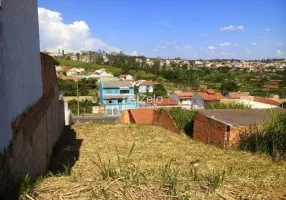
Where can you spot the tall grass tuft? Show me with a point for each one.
(267, 138)
(217, 105)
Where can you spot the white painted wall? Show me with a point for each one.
(20, 68)
(256, 105)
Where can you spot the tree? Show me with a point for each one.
(159, 91)
(229, 86)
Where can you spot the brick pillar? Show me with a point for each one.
(124, 117)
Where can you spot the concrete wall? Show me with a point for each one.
(35, 131)
(20, 69)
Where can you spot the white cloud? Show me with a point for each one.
(279, 52)
(280, 44)
(204, 34)
(227, 54)
(248, 51)
(268, 29)
(76, 36)
(226, 44)
(211, 48)
(171, 42)
(187, 46)
(177, 47)
(135, 53)
(253, 43)
(155, 50)
(161, 47)
(232, 28)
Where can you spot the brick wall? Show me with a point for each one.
(149, 116)
(35, 131)
(210, 131)
(164, 120)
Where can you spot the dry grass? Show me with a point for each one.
(148, 162)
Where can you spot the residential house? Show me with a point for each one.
(222, 127)
(238, 95)
(126, 77)
(201, 98)
(116, 96)
(146, 86)
(162, 102)
(100, 74)
(182, 98)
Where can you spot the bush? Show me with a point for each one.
(267, 138)
(217, 105)
(85, 106)
(183, 119)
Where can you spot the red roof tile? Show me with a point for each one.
(267, 101)
(147, 83)
(237, 95)
(271, 86)
(163, 102)
(184, 95)
(209, 96)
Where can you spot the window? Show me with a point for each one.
(108, 91)
(120, 100)
(110, 101)
(124, 91)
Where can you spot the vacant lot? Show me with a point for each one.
(147, 162)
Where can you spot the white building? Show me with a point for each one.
(146, 86)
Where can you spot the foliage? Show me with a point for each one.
(160, 91)
(229, 86)
(218, 105)
(85, 106)
(183, 118)
(69, 87)
(267, 138)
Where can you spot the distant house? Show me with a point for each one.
(271, 87)
(201, 98)
(267, 101)
(126, 77)
(100, 74)
(238, 95)
(182, 98)
(116, 96)
(163, 102)
(146, 86)
(222, 127)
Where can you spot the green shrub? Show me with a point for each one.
(267, 138)
(217, 105)
(183, 119)
(85, 106)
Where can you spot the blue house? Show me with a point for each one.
(116, 96)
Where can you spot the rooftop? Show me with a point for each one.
(211, 95)
(243, 117)
(116, 84)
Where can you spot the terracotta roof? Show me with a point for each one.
(209, 96)
(142, 115)
(267, 101)
(163, 102)
(271, 86)
(147, 83)
(237, 95)
(276, 81)
(210, 91)
(185, 95)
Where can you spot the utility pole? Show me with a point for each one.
(77, 98)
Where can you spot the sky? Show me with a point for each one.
(189, 29)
